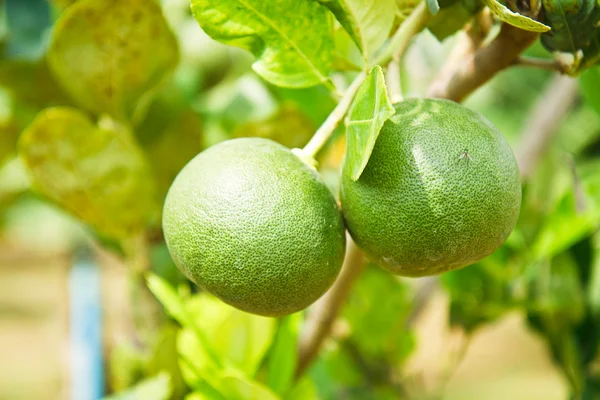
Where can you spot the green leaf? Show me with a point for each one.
(164, 358)
(515, 19)
(481, 293)
(109, 54)
(590, 87)
(283, 355)
(565, 226)
(240, 338)
(156, 388)
(238, 387)
(449, 20)
(97, 173)
(368, 26)
(369, 111)
(378, 329)
(433, 6)
(292, 40)
(574, 23)
(555, 291)
(303, 390)
(168, 297)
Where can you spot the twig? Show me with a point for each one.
(319, 321)
(542, 63)
(401, 39)
(325, 131)
(555, 101)
(460, 76)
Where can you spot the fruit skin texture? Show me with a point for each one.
(252, 224)
(440, 191)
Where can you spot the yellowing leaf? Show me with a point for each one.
(108, 54)
(368, 25)
(293, 39)
(369, 111)
(98, 174)
(515, 19)
(156, 388)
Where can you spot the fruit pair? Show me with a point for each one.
(252, 224)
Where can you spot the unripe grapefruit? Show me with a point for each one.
(440, 191)
(252, 224)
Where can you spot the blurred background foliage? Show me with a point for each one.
(100, 136)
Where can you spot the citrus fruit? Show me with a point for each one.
(252, 224)
(440, 191)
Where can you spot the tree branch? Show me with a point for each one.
(555, 101)
(472, 67)
(319, 321)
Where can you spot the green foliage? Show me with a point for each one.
(109, 55)
(590, 81)
(516, 19)
(98, 173)
(289, 55)
(369, 111)
(156, 388)
(574, 28)
(106, 101)
(368, 26)
(221, 349)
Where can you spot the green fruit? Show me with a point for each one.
(252, 224)
(441, 190)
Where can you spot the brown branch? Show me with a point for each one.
(554, 102)
(469, 68)
(319, 321)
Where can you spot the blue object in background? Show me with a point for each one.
(87, 374)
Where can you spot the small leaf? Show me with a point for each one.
(108, 54)
(369, 111)
(240, 338)
(368, 26)
(293, 40)
(433, 6)
(98, 174)
(283, 355)
(450, 20)
(238, 387)
(156, 388)
(303, 390)
(515, 19)
(168, 297)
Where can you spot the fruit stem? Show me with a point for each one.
(319, 322)
(398, 44)
(325, 131)
(393, 50)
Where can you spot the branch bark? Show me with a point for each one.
(469, 67)
(556, 100)
(319, 321)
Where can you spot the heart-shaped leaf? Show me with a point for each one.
(369, 111)
(292, 39)
(98, 174)
(108, 54)
(515, 19)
